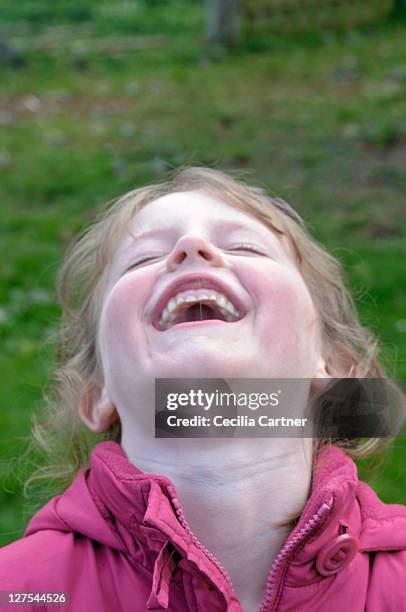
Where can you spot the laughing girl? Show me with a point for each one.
(203, 525)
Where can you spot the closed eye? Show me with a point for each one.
(144, 260)
(246, 247)
(238, 247)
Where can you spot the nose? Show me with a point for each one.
(196, 249)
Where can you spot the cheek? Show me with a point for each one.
(121, 319)
(284, 302)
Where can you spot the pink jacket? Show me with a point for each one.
(117, 540)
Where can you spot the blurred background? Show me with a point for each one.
(306, 97)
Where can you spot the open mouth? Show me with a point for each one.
(188, 308)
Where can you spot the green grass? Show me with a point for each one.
(318, 120)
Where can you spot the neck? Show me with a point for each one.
(235, 493)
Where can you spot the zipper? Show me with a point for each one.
(277, 567)
(275, 575)
(184, 523)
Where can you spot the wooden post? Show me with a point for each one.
(222, 21)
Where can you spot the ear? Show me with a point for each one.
(325, 372)
(96, 409)
(322, 377)
(323, 369)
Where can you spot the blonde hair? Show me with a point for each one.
(353, 349)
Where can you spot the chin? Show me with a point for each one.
(200, 368)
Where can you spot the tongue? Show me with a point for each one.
(199, 312)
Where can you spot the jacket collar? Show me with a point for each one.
(144, 509)
(129, 494)
(123, 491)
(148, 506)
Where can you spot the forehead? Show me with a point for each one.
(190, 209)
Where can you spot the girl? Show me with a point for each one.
(203, 524)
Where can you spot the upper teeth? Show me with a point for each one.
(197, 295)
